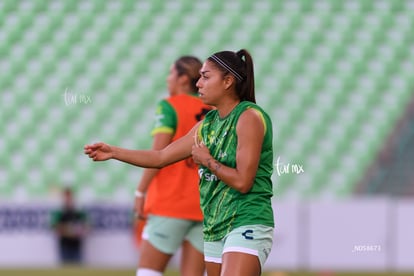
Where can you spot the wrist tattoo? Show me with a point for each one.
(218, 166)
(209, 161)
(213, 165)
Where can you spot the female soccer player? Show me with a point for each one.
(169, 197)
(233, 148)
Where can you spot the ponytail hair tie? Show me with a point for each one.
(240, 54)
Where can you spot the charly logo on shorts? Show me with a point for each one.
(246, 234)
(160, 235)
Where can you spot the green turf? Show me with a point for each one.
(71, 271)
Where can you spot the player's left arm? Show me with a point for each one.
(250, 132)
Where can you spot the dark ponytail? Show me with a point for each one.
(240, 65)
(247, 87)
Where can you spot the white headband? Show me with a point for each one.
(225, 66)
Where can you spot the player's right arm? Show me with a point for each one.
(174, 152)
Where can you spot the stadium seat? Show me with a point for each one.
(333, 75)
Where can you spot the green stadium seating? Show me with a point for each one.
(333, 75)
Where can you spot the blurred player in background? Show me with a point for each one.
(169, 198)
(70, 225)
(234, 150)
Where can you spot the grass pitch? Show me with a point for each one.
(77, 271)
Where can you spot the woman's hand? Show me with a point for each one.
(200, 153)
(139, 207)
(99, 151)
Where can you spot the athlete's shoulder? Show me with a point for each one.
(183, 97)
(258, 109)
(247, 105)
(255, 113)
(163, 104)
(185, 101)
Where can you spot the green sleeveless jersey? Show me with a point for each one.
(225, 208)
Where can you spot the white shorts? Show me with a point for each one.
(250, 239)
(167, 234)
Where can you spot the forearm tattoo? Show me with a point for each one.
(213, 165)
